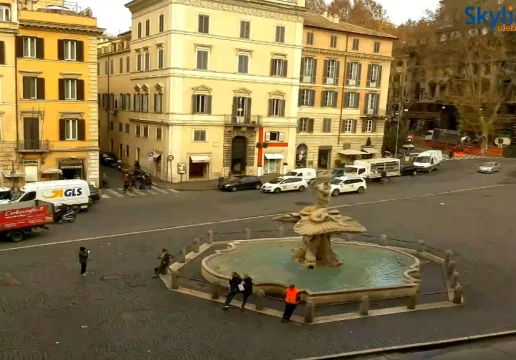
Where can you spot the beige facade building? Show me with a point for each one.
(343, 92)
(204, 89)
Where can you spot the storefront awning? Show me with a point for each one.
(9, 175)
(156, 156)
(70, 167)
(196, 159)
(351, 152)
(276, 156)
(50, 171)
(370, 150)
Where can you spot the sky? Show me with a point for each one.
(113, 16)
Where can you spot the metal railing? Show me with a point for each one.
(251, 120)
(33, 145)
(63, 7)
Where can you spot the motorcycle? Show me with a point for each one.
(65, 214)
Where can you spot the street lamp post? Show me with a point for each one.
(400, 114)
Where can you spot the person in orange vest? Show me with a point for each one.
(292, 298)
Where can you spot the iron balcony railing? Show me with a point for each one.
(251, 120)
(33, 146)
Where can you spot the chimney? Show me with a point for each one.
(335, 18)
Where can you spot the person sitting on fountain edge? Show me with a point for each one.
(235, 284)
(292, 298)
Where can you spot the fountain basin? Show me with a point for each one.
(372, 270)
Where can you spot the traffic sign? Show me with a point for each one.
(170, 158)
(151, 154)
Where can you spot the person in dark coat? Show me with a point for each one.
(164, 263)
(248, 290)
(83, 259)
(234, 288)
(148, 181)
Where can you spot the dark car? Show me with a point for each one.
(109, 159)
(408, 169)
(241, 183)
(94, 193)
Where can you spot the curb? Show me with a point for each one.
(418, 346)
(184, 189)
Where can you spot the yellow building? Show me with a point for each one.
(343, 92)
(56, 87)
(213, 88)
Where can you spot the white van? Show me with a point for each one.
(61, 192)
(308, 174)
(429, 135)
(428, 161)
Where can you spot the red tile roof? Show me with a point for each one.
(319, 21)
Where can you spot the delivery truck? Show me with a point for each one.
(20, 218)
(373, 168)
(428, 161)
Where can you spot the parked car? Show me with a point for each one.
(109, 159)
(241, 183)
(285, 183)
(408, 169)
(94, 193)
(489, 167)
(338, 172)
(346, 184)
(309, 174)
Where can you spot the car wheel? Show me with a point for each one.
(234, 189)
(258, 187)
(360, 190)
(301, 188)
(414, 173)
(335, 192)
(277, 190)
(16, 236)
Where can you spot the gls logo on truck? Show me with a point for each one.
(504, 20)
(52, 194)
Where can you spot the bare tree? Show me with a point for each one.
(365, 13)
(316, 6)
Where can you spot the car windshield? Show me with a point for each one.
(351, 170)
(423, 159)
(276, 181)
(292, 173)
(17, 196)
(335, 181)
(487, 164)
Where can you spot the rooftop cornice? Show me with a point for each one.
(68, 28)
(328, 52)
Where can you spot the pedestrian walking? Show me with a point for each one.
(292, 298)
(148, 181)
(248, 289)
(235, 286)
(83, 259)
(163, 264)
(127, 182)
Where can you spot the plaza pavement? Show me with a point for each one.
(119, 312)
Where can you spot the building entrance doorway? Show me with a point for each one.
(238, 155)
(324, 158)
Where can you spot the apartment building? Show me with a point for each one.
(344, 82)
(56, 89)
(212, 88)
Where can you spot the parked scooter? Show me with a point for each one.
(65, 213)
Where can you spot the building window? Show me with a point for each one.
(203, 24)
(199, 135)
(145, 131)
(333, 41)
(161, 23)
(306, 97)
(137, 102)
(127, 150)
(347, 126)
(331, 72)
(112, 67)
(120, 127)
(372, 102)
(305, 125)
(70, 50)
(375, 75)
(127, 127)
(139, 30)
(128, 64)
(121, 65)
(29, 47)
(161, 58)
(310, 38)
(147, 61)
(280, 34)
(279, 67)
(201, 104)
(145, 102)
(147, 27)
(243, 64)
(274, 136)
(376, 46)
(245, 29)
(353, 74)
(351, 100)
(368, 126)
(202, 59)
(33, 88)
(158, 102)
(70, 89)
(309, 68)
(111, 125)
(138, 131)
(5, 14)
(329, 98)
(356, 44)
(326, 126)
(276, 107)
(139, 60)
(106, 67)
(71, 129)
(158, 133)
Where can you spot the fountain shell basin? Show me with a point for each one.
(375, 271)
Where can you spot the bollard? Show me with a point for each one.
(210, 237)
(182, 256)
(196, 245)
(247, 233)
(447, 258)
(349, 237)
(364, 306)
(281, 232)
(260, 300)
(309, 312)
(215, 290)
(421, 247)
(454, 280)
(457, 295)
(451, 268)
(383, 240)
(174, 283)
(412, 301)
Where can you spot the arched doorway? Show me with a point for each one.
(238, 154)
(301, 155)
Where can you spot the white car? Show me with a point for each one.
(489, 167)
(285, 183)
(346, 184)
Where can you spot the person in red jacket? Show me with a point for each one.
(292, 298)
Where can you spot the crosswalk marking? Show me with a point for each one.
(159, 190)
(152, 192)
(128, 193)
(119, 192)
(111, 191)
(174, 191)
(138, 192)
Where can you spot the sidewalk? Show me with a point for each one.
(200, 185)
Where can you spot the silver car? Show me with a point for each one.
(489, 167)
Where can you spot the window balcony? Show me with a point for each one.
(33, 146)
(247, 121)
